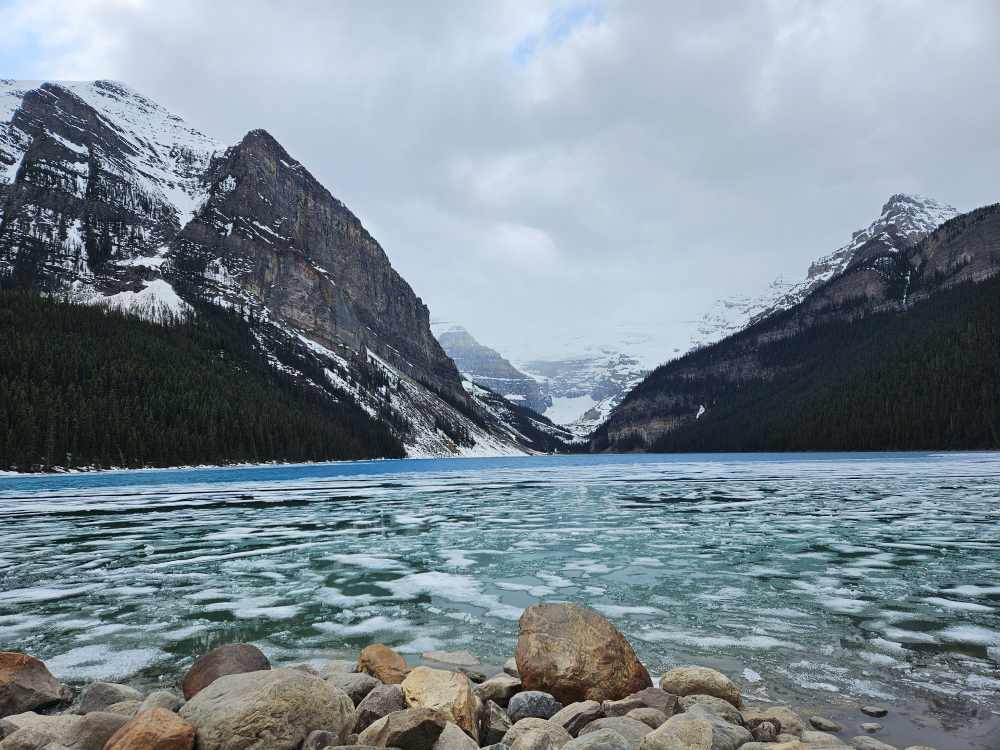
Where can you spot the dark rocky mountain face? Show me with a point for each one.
(882, 278)
(489, 368)
(108, 199)
(269, 235)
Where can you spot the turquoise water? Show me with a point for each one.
(848, 576)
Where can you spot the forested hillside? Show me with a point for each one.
(926, 378)
(86, 387)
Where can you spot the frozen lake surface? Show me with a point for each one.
(854, 577)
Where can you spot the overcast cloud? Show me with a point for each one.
(538, 170)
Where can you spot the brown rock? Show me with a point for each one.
(30, 731)
(535, 734)
(232, 658)
(411, 729)
(383, 663)
(155, 729)
(454, 737)
(381, 701)
(692, 734)
(267, 710)
(632, 730)
(576, 716)
(25, 684)
(447, 692)
(576, 655)
(651, 717)
(659, 699)
(717, 706)
(700, 681)
(623, 706)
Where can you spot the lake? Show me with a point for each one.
(819, 578)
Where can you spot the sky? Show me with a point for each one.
(546, 172)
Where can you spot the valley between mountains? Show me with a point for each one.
(166, 299)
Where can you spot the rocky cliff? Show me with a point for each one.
(106, 198)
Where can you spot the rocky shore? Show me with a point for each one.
(574, 683)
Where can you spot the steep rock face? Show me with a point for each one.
(270, 235)
(94, 179)
(486, 366)
(881, 277)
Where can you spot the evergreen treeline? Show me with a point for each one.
(927, 378)
(85, 387)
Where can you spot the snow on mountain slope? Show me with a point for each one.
(904, 221)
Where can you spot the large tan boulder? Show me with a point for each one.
(700, 681)
(383, 663)
(31, 731)
(267, 710)
(232, 658)
(155, 729)
(411, 729)
(576, 655)
(25, 684)
(533, 733)
(444, 691)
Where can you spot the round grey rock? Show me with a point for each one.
(381, 701)
(825, 725)
(876, 711)
(603, 739)
(97, 696)
(532, 704)
(631, 730)
(356, 684)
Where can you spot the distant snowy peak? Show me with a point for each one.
(904, 221)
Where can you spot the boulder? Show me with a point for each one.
(444, 691)
(356, 684)
(787, 720)
(162, 699)
(31, 730)
(630, 729)
(493, 724)
(576, 716)
(700, 681)
(604, 739)
(510, 667)
(499, 689)
(528, 731)
(824, 724)
(623, 706)
(717, 706)
(25, 684)
(876, 711)
(659, 699)
(98, 696)
(679, 734)
(868, 743)
(575, 654)
(266, 710)
(725, 736)
(383, 663)
(453, 737)
(155, 729)
(651, 717)
(381, 701)
(410, 729)
(532, 704)
(232, 658)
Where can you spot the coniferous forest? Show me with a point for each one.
(85, 387)
(924, 379)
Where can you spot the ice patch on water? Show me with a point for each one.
(44, 593)
(456, 558)
(958, 606)
(555, 581)
(615, 610)
(751, 676)
(376, 624)
(335, 598)
(971, 590)
(101, 662)
(970, 634)
(539, 592)
(369, 562)
(460, 589)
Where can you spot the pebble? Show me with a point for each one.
(876, 711)
(871, 727)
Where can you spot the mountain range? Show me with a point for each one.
(107, 199)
